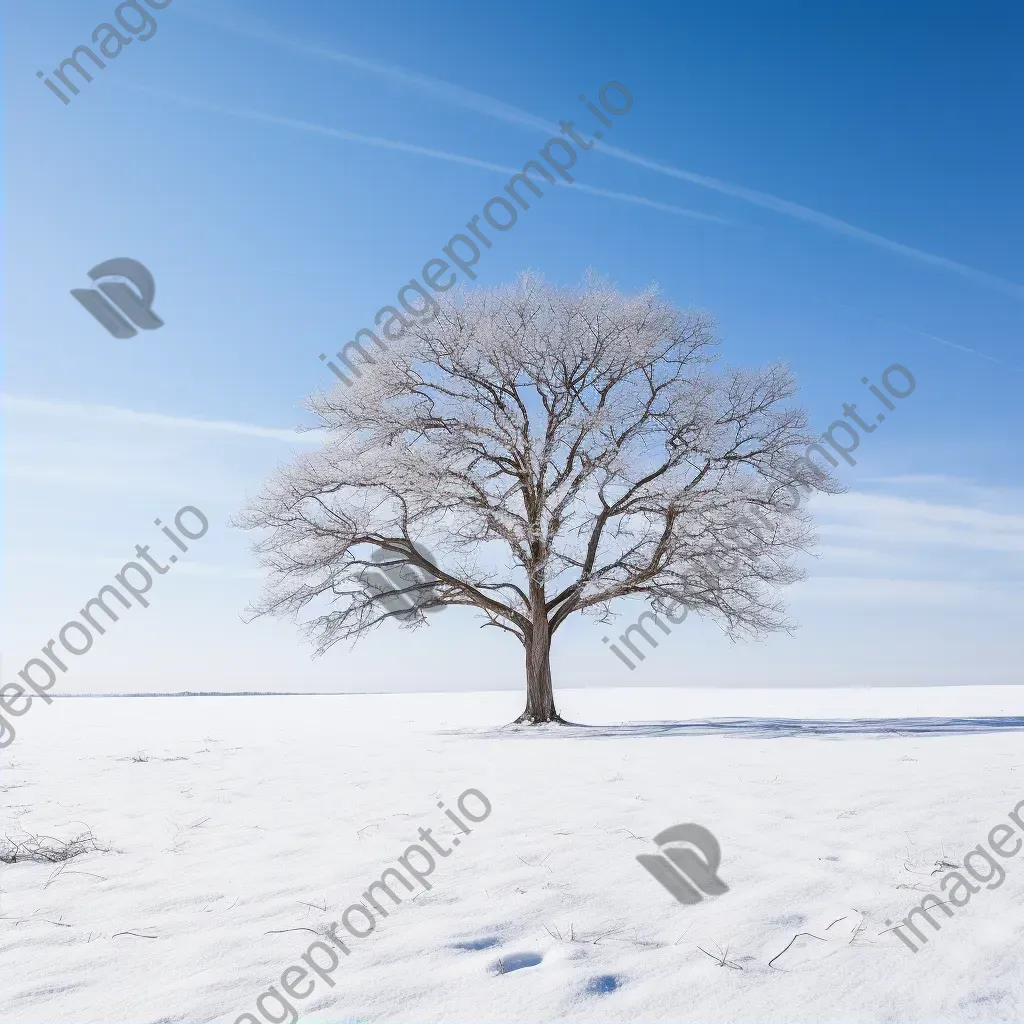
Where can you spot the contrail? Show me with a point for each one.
(380, 142)
(931, 337)
(963, 348)
(469, 99)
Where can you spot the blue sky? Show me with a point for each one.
(838, 184)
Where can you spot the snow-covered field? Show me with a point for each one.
(234, 831)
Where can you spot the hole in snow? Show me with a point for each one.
(477, 943)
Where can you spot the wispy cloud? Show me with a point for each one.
(379, 142)
(876, 591)
(112, 414)
(469, 99)
(880, 521)
(39, 560)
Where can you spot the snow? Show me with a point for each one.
(227, 823)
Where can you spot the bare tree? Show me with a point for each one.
(560, 448)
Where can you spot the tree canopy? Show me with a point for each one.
(559, 448)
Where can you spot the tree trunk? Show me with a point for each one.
(540, 698)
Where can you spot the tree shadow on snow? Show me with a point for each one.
(770, 728)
